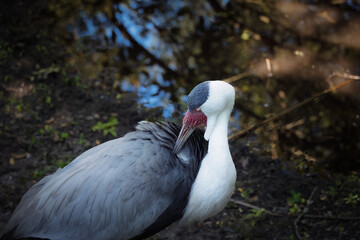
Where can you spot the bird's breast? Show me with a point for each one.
(211, 189)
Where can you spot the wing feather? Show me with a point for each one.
(128, 187)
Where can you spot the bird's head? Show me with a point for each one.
(205, 103)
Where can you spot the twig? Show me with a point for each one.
(236, 77)
(331, 217)
(306, 209)
(350, 78)
(248, 205)
(343, 75)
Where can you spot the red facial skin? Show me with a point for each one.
(192, 120)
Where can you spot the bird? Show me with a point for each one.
(134, 186)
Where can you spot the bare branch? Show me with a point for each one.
(306, 208)
(236, 77)
(331, 217)
(350, 78)
(312, 216)
(248, 205)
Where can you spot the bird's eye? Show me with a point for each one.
(197, 109)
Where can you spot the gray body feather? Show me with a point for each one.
(129, 187)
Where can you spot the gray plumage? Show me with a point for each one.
(129, 187)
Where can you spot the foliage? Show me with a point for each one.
(353, 198)
(37, 174)
(254, 215)
(294, 209)
(60, 163)
(245, 194)
(106, 128)
(293, 201)
(44, 73)
(81, 139)
(295, 197)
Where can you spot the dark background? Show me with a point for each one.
(76, 73)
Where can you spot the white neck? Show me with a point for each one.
(218, 142)
(215, 181)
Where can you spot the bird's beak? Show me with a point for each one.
(185, 133)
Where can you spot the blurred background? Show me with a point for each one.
(76, 73)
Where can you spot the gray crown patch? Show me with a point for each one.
(198, 95)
